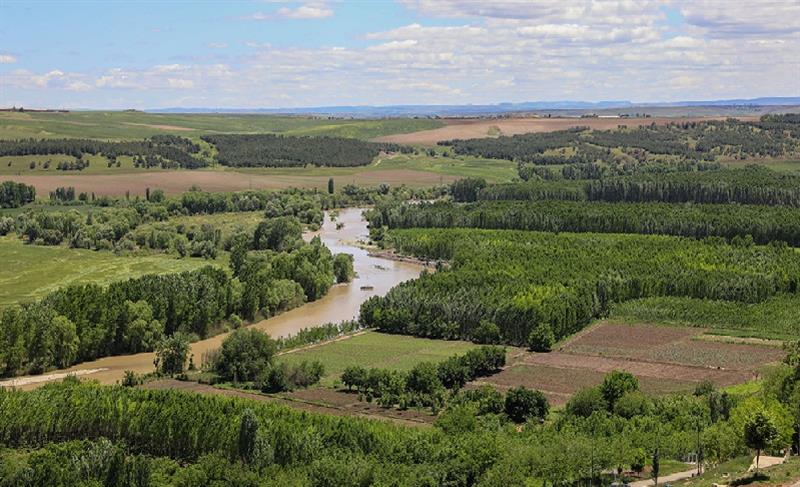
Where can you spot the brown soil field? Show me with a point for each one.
(664, 359)
(180, 181)
(161, 127)
(471, 128)
(325, 401)
(671, 345)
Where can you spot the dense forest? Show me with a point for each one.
(163, 150)
(267, 150)
(772, 136)
(515, 287)
(763, 223)
(752, 185)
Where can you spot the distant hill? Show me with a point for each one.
(740, 106)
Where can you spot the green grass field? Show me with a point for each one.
(372, 349)
(31, 271)
(137, 125)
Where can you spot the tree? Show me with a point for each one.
(280, 234)
(354, 376)
(240, 244)
(245, 354)
(172, 353)
(65, 341)
(542, 338)
(759, 432)
(616, 384)
(248, 435)
(467, 189)
(424, 379)
(523, 403)
(656, 466)
(343, 268)
(586, 401)
(330, 186)
(142, 332)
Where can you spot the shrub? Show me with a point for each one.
(523, 404)
(244, 354)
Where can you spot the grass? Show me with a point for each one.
(736, 469)
(98, 164)
(775, 318)
(31, 271)
(372, 349)
(137, 125)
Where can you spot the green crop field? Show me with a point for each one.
(774, 318)
(137, 125)
(31, 271)
(372, 349)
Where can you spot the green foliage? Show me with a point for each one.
(467, 189)
(267, 150)
(586, 402)
(282, 376)
(14, 195)
(172, 353)
(523, 404)
(542, 338)
(759, 431)
(343, 267)
(577, 277)
(763, 223)
(616, 385)
(279, 234)
(244, 354)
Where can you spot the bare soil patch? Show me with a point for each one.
(471, 128)
(180, 181)
(318, 400)
(161, 127)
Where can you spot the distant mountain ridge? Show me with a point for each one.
(489, 109)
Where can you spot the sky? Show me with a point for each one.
(110, 54)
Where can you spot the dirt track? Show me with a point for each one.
(477, 128)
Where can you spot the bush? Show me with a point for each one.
(587, 401)
(523, 404)
(632, 404)
(542, 338)
(244, 354)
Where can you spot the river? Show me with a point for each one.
(374, 276)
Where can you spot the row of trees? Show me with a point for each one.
(764, 224)
(200, 439)
(531, 285)
(426, 383)
(177, 150)
(688, 141)
(268, 150)
(14, 195)
(753, 185)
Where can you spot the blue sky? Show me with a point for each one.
(149, 54)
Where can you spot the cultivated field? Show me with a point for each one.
(31, 271)
(137, 125)
(664, 359)
(471, 128)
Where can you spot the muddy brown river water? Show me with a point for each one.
(375, 276)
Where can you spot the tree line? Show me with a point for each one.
(529, 288)
(752, 185)
(701, 141)
(268, 150)
(764, 224)
(168, 149)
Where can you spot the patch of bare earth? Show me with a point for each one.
(161, 127)
(318, 400)
(472, 128)
(665, 360)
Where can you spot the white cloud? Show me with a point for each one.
(311, 10)
(7, 59)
